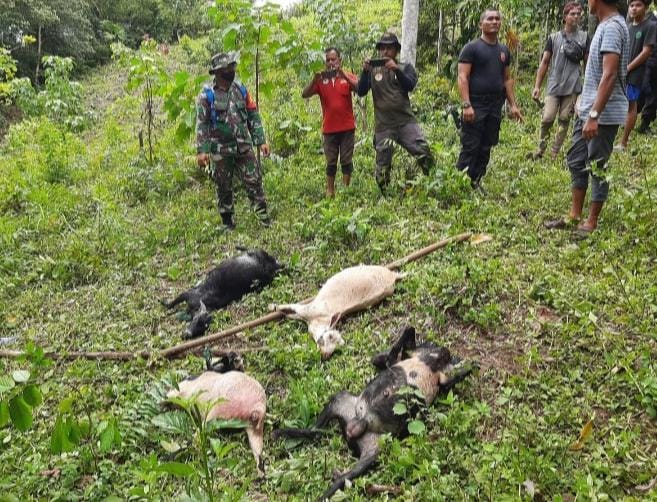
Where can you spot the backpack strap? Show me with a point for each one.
(243, 90)
(209, 95)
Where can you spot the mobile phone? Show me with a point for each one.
(378, 62)
(329, 73)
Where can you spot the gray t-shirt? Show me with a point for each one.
(565, 77)
(611, 36)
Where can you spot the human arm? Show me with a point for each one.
(406, 75)
(510, 95)
(463, 82)
(350, 78)
(203, 144)
(364, 83)
(640, 59)
(311, 88)
(610, 63)
(541, 72)
(254, 122)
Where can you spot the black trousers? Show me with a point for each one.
(648, 101)
(480, 136)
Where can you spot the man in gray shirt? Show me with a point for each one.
(564, 80)
(602, 109)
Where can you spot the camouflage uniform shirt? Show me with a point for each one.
(238, 126)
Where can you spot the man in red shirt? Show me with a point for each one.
(334, 87)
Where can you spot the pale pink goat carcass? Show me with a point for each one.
(242, 398)
(351, 290)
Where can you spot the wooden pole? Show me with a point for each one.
(116, 356)
(178, 350)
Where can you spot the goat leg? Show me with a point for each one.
(368, 445)
(404, 343)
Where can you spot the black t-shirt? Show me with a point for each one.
(641, 34)
(488, 63)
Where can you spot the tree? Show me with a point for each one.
(410, 16)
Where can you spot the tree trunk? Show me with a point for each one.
(409, 31)
(439, 54)
(38, 64)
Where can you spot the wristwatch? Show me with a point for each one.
(466, 104)
(593, 115)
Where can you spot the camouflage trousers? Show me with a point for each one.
(246, 166)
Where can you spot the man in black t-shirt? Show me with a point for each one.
(484, 82)
(643, 35)
(648, 99)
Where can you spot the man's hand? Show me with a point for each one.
(391, 64)
(264, 150)
(590, 129)
(536, 93)
(366, 65)
(202, 159)
(514, 113)
(468, 114)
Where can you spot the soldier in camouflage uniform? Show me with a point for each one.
(228, 125)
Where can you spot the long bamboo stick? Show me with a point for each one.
(178, 350)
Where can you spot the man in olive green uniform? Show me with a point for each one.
(394, 120)
(228, 125)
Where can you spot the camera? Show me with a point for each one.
(329, 74)
(374, 62)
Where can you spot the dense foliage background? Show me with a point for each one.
(103, 214)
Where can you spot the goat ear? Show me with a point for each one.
(203, 308)
(335, 319)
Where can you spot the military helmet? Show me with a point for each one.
(222, 60)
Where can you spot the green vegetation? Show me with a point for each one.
(94, 233)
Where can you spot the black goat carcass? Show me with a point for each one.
(228, 282)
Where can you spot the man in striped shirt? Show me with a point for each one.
(602, 109)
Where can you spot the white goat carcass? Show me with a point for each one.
(232, 395)
(351, 290)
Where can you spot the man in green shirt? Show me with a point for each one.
(394, 120)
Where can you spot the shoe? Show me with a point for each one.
(560, 224)
(580, 234)
(227, 220)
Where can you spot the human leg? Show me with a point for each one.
(249, 169)
(346, 156)
(599, 151)
(223, 179)
(411, 138)
(383, 144)
(577, 158)
(550, 109)
(331, 152)
(566, 110)
(630, 121)
(471, 136)
(490, 137)
(649, 110)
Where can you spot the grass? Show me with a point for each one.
(93, 237)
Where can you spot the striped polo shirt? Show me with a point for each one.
(612, 35)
